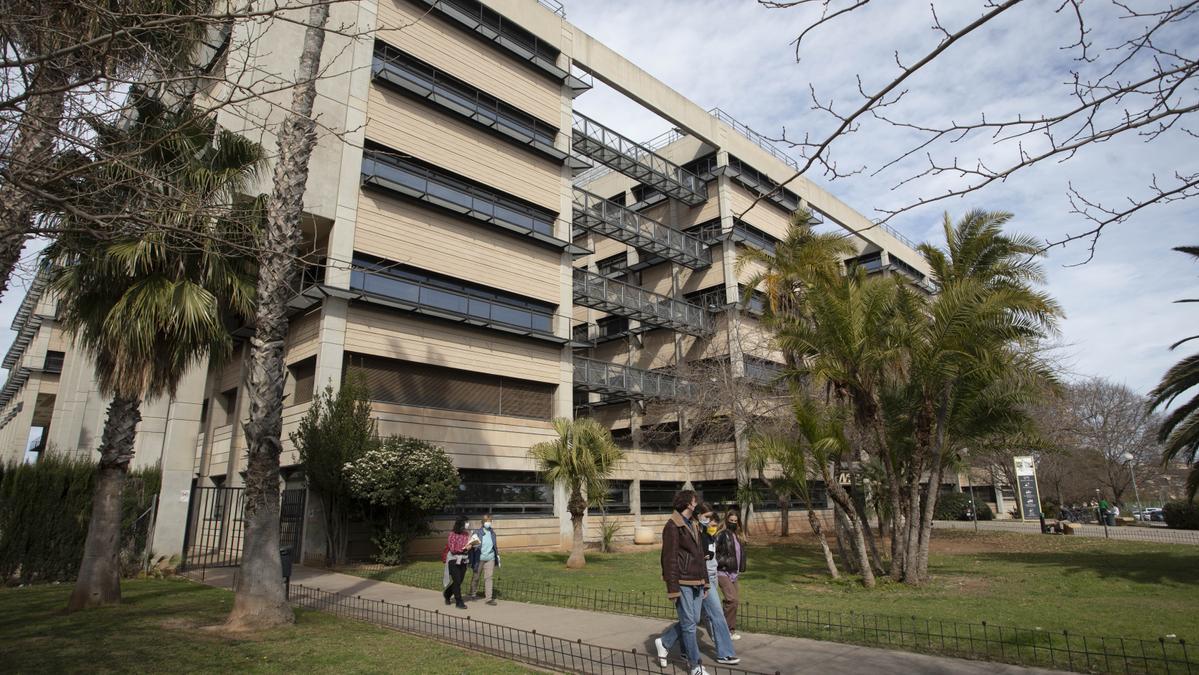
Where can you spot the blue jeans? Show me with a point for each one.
(718, 628)
(688, 606)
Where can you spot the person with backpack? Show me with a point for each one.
(484, 560)
(457, 558)
(730, 564)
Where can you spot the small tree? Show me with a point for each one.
(405, 480)
(336, 430)
(582, 458)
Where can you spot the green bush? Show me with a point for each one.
(954, 505)
(1181, 515)
(44, 512)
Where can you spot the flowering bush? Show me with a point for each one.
(404, 480)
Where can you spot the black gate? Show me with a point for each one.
(216, 526)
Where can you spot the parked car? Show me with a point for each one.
(1153, 514)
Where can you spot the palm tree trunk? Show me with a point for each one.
(785, 510)
(99, 580)
(857, 542)
(260, 602)
(818, 530)
(577, 507)
(29, 156)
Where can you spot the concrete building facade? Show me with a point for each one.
(489, 259)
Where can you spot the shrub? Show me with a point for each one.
(45, 508)
(404, 480)
(955, 506)
(1181, 515)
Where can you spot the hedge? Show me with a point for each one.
(44, 512)
(1181, 515)
(953, 505)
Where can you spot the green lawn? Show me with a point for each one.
(1087, 586)
(158, 628)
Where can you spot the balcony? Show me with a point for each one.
(599, 215)
(628, 301)
(637, 383)
(601, 144)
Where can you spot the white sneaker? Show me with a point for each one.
(736, 636)
(662, 653)
(700, 670)
(728, 661)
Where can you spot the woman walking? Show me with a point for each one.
(730, 563)
(457, 559)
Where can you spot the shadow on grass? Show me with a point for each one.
(1150, 567)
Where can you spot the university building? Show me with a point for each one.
(489, 258)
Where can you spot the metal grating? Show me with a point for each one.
(628, 301)
(623, 224)
(601, 144)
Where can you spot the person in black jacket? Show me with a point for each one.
(730, 564)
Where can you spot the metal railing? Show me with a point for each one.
(618, 222)
(612, 378)
(557, 654)
(757, 138)
(981, 641)
(604, 145)
(1143, 533)
(631, 302)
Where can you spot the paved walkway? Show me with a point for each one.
(1158, 534)
(765, 653)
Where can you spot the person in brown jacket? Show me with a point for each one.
(686, 577)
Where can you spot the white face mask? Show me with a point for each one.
(487, 525)
(467, 526)
(704, 521)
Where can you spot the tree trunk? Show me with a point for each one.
(29, 156)
(857, 542)
(577, 507)
(260, 602)
(818, 530)
(785, 510)
(842, 548)
(99, 580)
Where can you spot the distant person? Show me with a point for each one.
(484, 559)
(1115, 513)
(726, 655)
(686, 577)
(1104, 512)
(730, 565)
(457, 558)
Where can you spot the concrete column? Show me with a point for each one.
(635, 501)
(330, 352)
(177, 460)
(565, 530)
(242, 406)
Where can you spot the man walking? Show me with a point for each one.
(484, 558)
(686, 577)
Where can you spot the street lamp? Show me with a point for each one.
(1136, 493)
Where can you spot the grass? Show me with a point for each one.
(1086, 586)
(159, 627)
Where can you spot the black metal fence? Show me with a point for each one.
(982, 641)
(544, 651)
(216, 526)
(1141, 532)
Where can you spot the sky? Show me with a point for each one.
(738, 56)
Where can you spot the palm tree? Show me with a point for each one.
(581, 458)
(69, 45)
(150, 299)
(1180, 430)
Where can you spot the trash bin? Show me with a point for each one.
(285, 561)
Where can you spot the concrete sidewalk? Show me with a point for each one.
(765, 653)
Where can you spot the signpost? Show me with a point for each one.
(1026, 484)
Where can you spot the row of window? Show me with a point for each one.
(504, 27)
(434, 184)
(428, 386)
(489, 109)
(425, 289)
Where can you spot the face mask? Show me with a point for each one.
(712, 528)
(733, 527)
(704, 521)
(467, 526)
(487, 525)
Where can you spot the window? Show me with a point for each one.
(441, 188)
(657, 496)
(623, 437)
(642, 193)
(703, 166)
(619, 198)
(612, 264)
(427, 289)
(579, 333)
(752, 236)
(612, 327)
(303, 374)
(428, 386)
(229, 405)
(618, 497)
(460, 97)
(754, 179)
(720, 493)
(660, 437)
(501, 492)
(498, 23)
(870, 262)
(816, 490)
(713, 298)
(53, 362)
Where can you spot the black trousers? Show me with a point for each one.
(457, 574)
